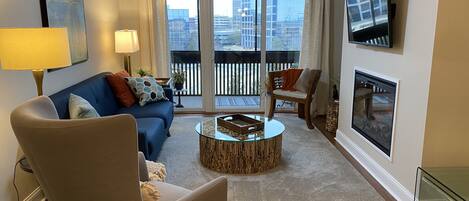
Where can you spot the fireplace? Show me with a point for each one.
(374, 103)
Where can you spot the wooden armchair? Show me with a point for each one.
(304, 99)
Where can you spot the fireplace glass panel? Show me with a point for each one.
(373, 109)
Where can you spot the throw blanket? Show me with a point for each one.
(156, 172)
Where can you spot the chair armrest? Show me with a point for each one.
(142, 168)
(168, 92)
(215, 190)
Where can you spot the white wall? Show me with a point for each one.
(102, 20)
(410, 61)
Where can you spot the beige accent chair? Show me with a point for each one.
(92, 159)
(303, 98)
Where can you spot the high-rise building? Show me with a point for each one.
(237, 11)
(178, 25)
(249, 12)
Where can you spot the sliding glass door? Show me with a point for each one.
(240, 41)
(236, 31)
(183, 41)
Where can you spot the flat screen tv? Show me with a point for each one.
(370, 22)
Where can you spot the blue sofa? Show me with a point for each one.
(153, 119)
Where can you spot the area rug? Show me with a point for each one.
(311, 168)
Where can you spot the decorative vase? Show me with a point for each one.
(178, 86)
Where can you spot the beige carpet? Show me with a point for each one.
(311, 168)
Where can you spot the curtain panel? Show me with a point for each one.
(315, 49)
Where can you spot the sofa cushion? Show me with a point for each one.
(121, 90)
(95, 90)
(160, 109)
(151, 135)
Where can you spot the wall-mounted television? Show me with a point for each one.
(370, 22)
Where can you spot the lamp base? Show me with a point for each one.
(38, 77)
(127, 64)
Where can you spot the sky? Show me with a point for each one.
(224, 7)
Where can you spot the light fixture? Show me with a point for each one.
(34, 49)
(126, 42)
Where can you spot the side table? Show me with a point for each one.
(451, 184)
(178, 93)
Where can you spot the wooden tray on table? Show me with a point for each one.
(240, 123)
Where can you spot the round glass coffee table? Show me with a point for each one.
(226, 151)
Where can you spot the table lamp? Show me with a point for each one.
(126, 43)
(34, 49)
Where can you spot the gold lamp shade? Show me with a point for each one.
(34, 48)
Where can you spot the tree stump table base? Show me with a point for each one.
(240, 157)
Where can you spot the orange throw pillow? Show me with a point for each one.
(290, 77)
(120, 88)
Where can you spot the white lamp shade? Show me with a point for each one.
(34, 48)
(126, 41)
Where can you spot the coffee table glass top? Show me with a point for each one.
(209, 128)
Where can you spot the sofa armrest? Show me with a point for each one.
(142, 167)
(169, 93)
(215, 190)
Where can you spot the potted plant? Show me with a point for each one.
(179, 77)
(143, 73)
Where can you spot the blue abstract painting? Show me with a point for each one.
(69, 14)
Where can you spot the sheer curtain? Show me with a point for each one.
(315, 48)
(160, 48)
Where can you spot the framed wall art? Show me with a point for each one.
(69, 14)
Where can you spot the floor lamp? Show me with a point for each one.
(126, 42)
(34, 49)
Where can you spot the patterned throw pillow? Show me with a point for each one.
(80, 108)
(146, 89)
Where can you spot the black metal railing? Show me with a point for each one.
(237, 73)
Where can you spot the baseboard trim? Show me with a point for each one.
(390, 184)
(36, 195)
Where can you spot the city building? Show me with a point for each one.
(178, 23)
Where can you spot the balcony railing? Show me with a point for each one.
(237, 73)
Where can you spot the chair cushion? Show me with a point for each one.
(170, 192)
(304, 80)
(121, 90)
(80, 108)
(293, 94)
(146, 89)
(290, 77)
(160, 109)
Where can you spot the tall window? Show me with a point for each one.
(284, 24)
(235, 25)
